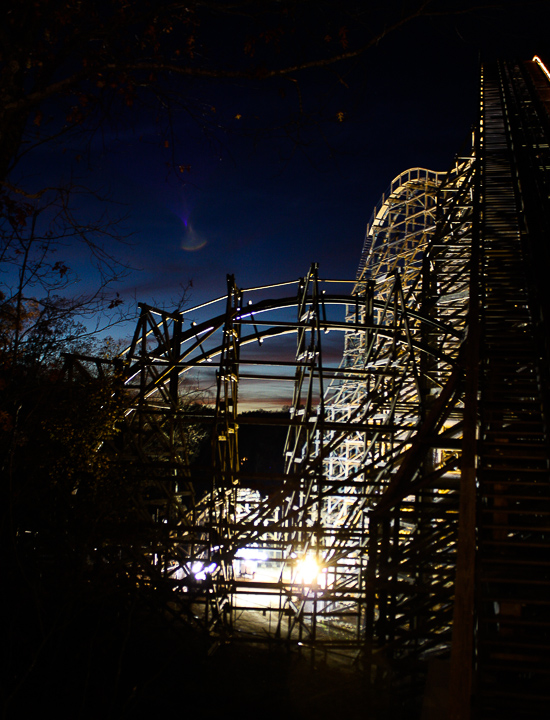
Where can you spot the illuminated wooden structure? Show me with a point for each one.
(490, 615)
(416, 478)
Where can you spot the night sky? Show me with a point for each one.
(265, 205)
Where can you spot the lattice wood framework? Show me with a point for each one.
(307, 512)
(468, 579)
(416, 471)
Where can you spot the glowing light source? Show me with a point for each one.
(308, 570)
(200, 570)
(251, 553)
(248, 559)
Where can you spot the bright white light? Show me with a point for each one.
(308, 571)
(200, 571)
(247, 560)
(251, 553)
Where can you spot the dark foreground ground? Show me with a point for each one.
(117, 663)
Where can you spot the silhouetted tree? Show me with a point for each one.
(73, 64)
(39, 308)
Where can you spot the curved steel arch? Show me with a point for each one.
(201, 333)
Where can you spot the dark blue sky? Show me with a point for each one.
(264, 210)
(264, 205)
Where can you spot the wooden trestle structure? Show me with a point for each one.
(416, 471)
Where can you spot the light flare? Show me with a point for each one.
(308, 571)
(192, 241)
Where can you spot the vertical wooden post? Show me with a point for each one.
(462, 649)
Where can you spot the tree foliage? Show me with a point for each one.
(41, 309)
